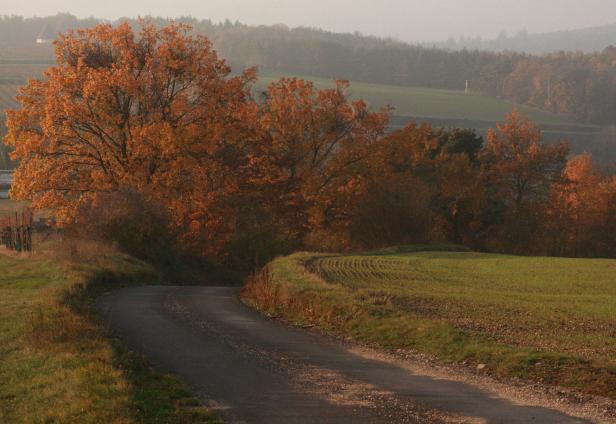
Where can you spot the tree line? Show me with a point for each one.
(586, 40)
(582, 86)
(147, 140)
(578, 85)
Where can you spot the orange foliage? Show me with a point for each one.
(584, 209)
(155, 112)
(158, 113)
(518, 172)
(519, 165)
(155, 120)
(315, 145)
(394, 203)
(460, 198)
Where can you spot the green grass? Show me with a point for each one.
(432, 103)
(57, 363)
(544, 319)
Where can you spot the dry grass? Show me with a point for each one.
(77, 251)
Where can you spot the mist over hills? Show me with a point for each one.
(17, 29)
(586, 40)
(572, 84)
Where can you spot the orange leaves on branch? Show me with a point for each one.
(584, 207)
(315, 144)
(156, 118)
(156, 112)
(518, 171)
(519, 165)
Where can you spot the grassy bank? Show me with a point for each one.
(544, 319)
(57, 363)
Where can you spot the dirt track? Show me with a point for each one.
(255, 370)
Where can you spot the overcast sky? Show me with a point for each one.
(408, 20)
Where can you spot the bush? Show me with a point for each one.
(257, 239)
(134, 223)
(392, 213)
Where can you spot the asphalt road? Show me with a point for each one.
(252, 369)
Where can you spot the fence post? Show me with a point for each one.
(18, 236)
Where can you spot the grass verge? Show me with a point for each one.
(547, 320)
(57, 362)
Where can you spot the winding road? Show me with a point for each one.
(251, 369)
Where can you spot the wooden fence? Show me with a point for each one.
(16, 231)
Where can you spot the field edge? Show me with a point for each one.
(289, 289)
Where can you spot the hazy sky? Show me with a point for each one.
(409, 20)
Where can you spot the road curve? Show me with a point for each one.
(254, 370)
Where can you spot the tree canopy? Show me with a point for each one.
(151, 131)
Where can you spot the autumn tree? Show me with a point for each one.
(393, 206)
(518, 171)
(459, 195)
(133, 131)
(422, 184)
(315, 146)
(609, 224)
(155, 112)
(583, 207)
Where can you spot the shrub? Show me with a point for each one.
(136, 224)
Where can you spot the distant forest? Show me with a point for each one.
(581, 86)
(586, 40)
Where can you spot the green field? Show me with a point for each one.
(432, 103)
(545, 319)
